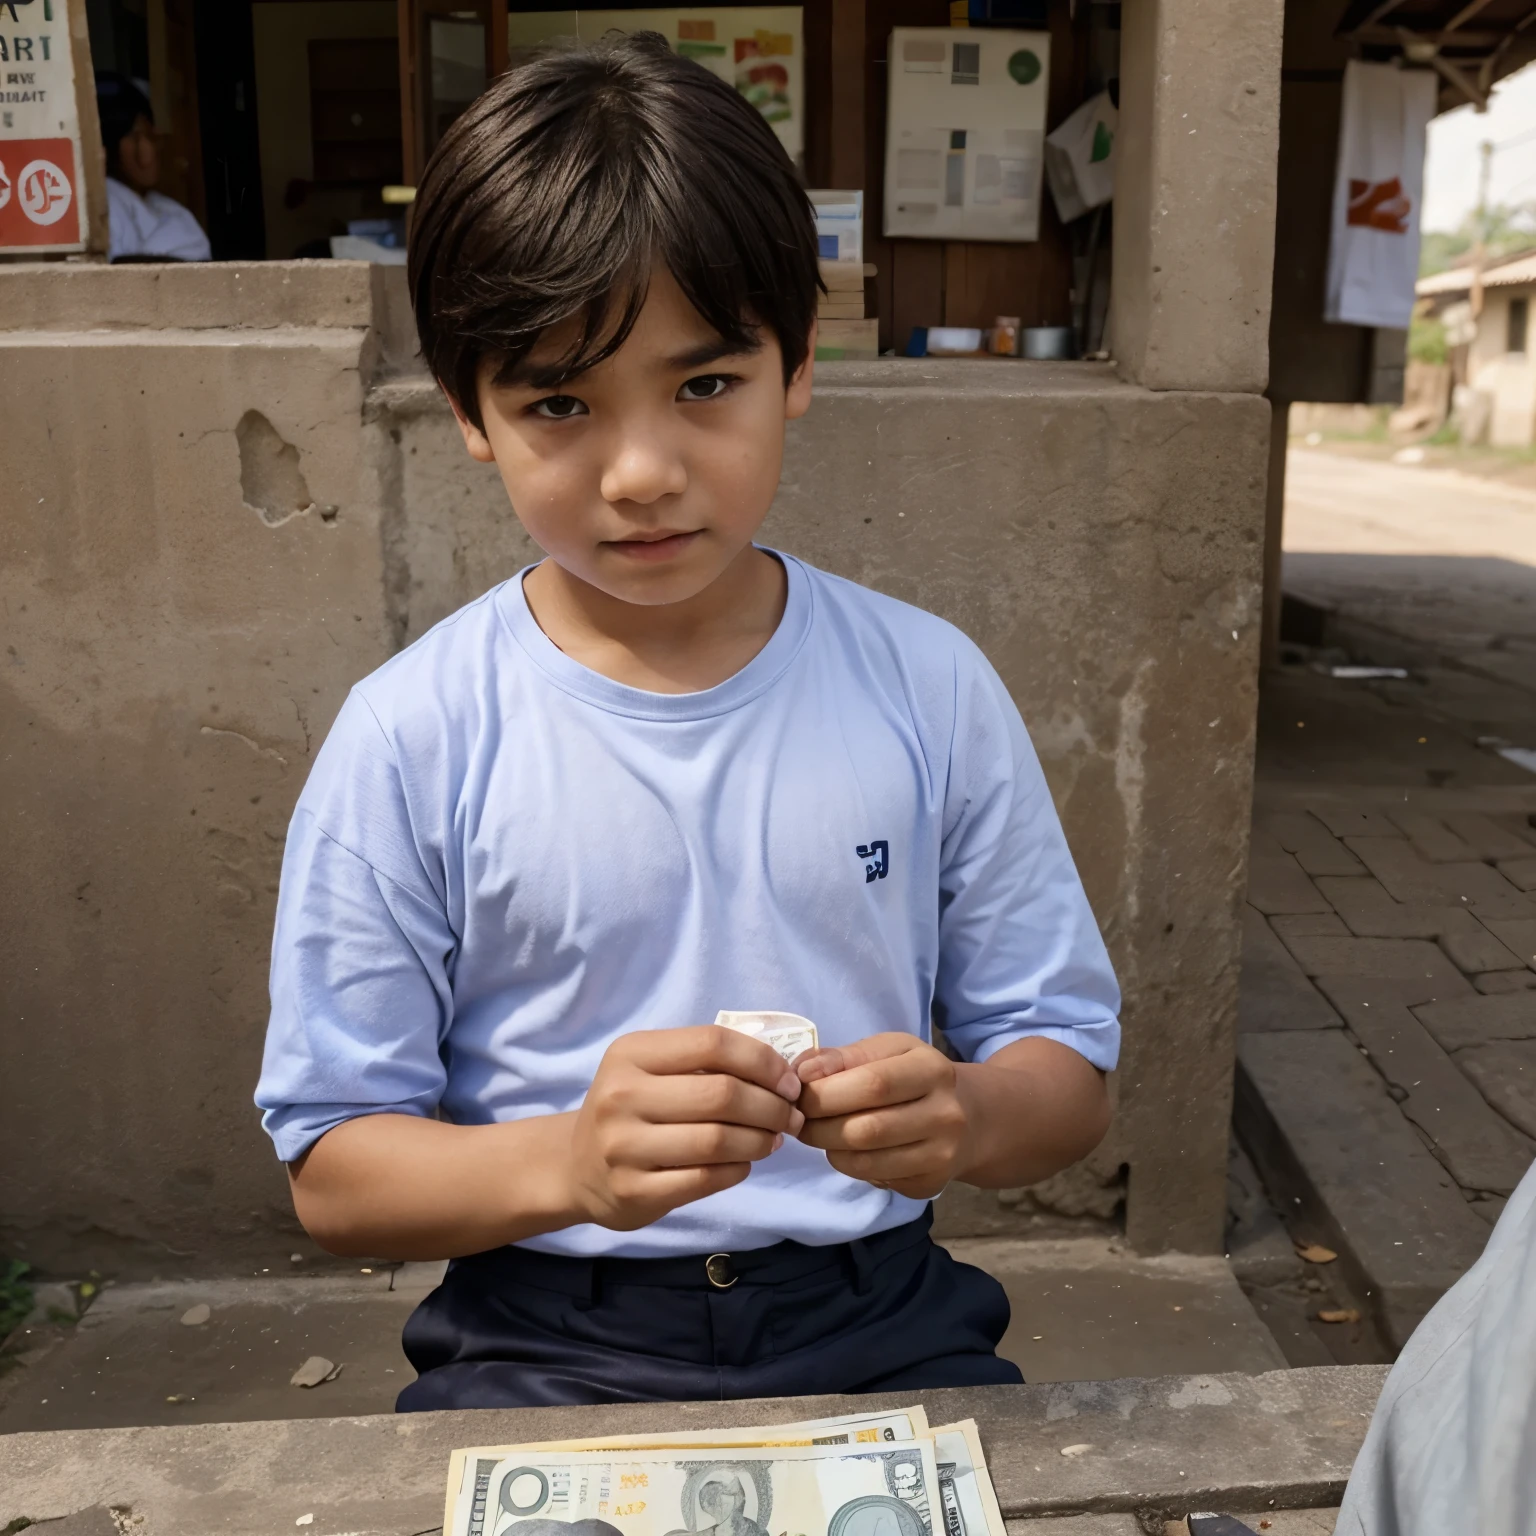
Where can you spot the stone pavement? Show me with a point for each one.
(1143, 1451)
(1387, 1055)
(1387, 1018)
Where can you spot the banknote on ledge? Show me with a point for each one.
(967, 1500)
(890, 1488)
(787, 1033)
(940, 1474)
(846, 1429)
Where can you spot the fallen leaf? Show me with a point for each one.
(193, 1317)
(1315, 1253)
(308, 1519)
(1075, 1450)
(1264, 1525)
(1339, 1315)
(313, 1372)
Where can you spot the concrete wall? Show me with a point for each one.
(1101, 543)
(191, 573)
(227, 497)
(1507, 378)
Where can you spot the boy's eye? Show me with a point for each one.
(706, 387)
(559, 407)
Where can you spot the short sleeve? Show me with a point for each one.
(1020, 953)
(362, 953)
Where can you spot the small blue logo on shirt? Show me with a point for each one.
(877, 860)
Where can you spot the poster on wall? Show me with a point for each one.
(758, 49)
(965, 133)
(42, 191)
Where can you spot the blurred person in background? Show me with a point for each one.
(144, 225)
(1452, 1444)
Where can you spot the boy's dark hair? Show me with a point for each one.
(552, 196)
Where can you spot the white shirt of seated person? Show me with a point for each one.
(141, 221)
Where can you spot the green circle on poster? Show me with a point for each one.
(1024, 66)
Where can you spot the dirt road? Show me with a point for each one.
(1442, 561)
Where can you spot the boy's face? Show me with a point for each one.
(647, 475)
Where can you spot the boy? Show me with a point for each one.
(662, 773)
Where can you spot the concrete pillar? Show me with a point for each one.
(1195, 192)
(1196, 162)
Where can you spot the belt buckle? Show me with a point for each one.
(720, 1272)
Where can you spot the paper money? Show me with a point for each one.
(967, 1500)
(896, 1424)
(885, 1489)
(787, 1033)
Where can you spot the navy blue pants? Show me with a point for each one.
(512, 1328)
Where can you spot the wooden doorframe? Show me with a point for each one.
(845, 106)
(408, 26)
(412, 18)
(496, 40)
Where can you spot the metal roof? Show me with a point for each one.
(1509, 272)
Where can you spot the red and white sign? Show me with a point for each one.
(42, 199)
(38, 201)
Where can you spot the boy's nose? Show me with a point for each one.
(643, 471)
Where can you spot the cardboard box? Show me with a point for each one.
(847, 339)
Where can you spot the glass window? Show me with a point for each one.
(457, 73)
(1519, 315)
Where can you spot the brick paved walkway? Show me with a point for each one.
(1387, 1053)
(1386, 1085)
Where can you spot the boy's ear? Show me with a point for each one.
(797, 398)
(475, 440)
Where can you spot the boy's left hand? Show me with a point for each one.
(889, 1110)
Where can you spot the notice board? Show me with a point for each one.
(758, 49)
(965, 133)
(43, 194)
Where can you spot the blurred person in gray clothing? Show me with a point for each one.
(1452, 1445)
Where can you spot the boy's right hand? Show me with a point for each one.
(674, 1115)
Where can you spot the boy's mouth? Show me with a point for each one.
(660, 545)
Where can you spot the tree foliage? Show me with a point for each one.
(1510, 228)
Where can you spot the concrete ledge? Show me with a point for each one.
(188, 296)
(1161, 1446)
(1320, 1125)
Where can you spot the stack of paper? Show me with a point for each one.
(839, 225)
(876, 1474)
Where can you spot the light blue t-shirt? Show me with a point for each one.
(503, 861)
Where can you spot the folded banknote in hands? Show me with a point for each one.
(787, 1033)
